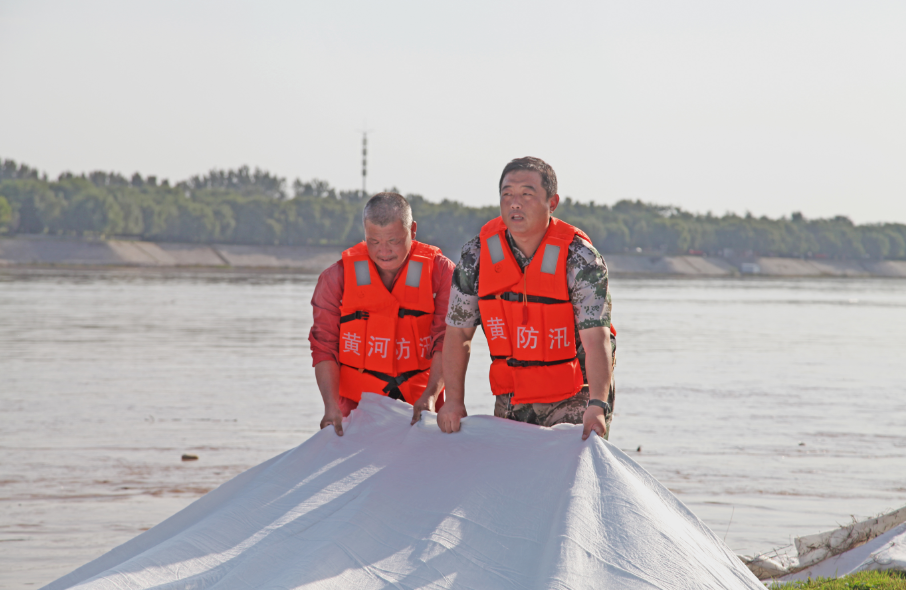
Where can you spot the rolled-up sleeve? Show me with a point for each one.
(324, 336)
(589, 291)
(440, 283)
(463, 309)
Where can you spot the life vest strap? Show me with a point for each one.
(511, 362)
(363, 315)
(393, 383)
(359, 315)
(514, 297)
(416, 313)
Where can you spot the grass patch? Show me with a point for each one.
(888, 580)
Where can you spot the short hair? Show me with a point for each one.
(385, 208)
(548, 176)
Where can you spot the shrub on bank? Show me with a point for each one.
(6, 215)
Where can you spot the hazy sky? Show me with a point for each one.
(765, 106)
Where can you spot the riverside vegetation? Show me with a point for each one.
(886, 580)
(255, 207)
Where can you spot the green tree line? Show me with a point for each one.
(255, 207)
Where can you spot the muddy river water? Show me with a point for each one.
(772, 408)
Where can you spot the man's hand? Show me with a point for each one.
(593, 420)
(432, 390)
(425, 402)
(449, 416)
(333, 416)
(327, 374)
(457, 349)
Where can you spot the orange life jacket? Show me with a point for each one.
(385, 336)
(527, 317)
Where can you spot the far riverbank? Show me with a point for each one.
(53, 251)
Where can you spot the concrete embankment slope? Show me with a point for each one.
(698, 266)
(58, 251)
(53, 251)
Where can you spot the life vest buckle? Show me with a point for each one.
(359, 315)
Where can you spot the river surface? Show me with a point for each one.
(772, 408)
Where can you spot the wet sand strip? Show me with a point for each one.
(84, 252)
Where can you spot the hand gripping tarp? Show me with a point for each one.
(499, 504)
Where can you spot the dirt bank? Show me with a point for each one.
(62, 251)
(57, 251)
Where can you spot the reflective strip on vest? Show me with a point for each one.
(549, 264)
(414, 273)
(495, 249)
(362, 274)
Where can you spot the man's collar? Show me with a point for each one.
(521, 258)
(399, 271)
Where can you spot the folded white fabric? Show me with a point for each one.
(885, 552)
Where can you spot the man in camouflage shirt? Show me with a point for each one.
(587, 284)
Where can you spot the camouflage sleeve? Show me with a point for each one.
(462, 311)
(586, 277)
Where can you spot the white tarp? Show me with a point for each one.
(885, 552)
(498, 505)
(877, 543)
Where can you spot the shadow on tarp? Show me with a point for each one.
(500, 504)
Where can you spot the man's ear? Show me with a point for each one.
(553, 202)
(414, 225)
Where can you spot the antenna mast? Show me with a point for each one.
(365, 131)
